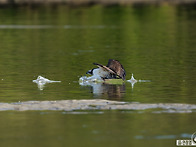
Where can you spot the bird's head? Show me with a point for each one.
(90, 72)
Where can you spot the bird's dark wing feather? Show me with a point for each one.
(115, 66)
(105, 68)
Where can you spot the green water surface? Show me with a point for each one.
(156, 43)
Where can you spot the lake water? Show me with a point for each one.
(155, 43)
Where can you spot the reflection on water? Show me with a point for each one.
(111, 91)
(108, 90)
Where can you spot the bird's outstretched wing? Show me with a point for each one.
(117, 68)
(114, 68)
(105, 68)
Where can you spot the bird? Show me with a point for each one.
(113, 70)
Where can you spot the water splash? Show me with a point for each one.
(41, 81)
(133, 80)
(84, 80)
(92, 80)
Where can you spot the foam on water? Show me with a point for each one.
(84, 80)
(41, 81)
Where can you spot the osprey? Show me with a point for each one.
(113, 70)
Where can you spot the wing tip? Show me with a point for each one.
(98, 64)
